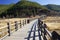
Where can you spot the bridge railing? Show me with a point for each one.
(44, 31)
(8, 29)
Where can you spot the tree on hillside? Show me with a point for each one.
(23, 8)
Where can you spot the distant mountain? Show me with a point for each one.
(53, 7)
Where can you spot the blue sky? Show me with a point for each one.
(43, 2)
(8, 1)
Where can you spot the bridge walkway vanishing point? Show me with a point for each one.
(28, 32)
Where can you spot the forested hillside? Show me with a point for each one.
(27, 9)
(4, 7)
(23, 9)
(53, 7)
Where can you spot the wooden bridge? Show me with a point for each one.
(35, 30)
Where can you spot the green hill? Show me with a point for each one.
(53, 7)
(4, 7)
(27, 9)
(23, 9)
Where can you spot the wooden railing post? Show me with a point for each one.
(44, 26)
(16, 26)
(28, 21)
(8, 29)
(20, 23)
(23, 22)
(40, 25)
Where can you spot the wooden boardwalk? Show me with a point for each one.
(24, 32)
(35, 30)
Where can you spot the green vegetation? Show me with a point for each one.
(53, 7)
(26, 9)
(4, 7)
(23, 9)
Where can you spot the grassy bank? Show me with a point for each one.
(53, 23)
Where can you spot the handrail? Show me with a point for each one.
(37, 22)
(44, 31)
(48, 32)
(3, 27)
(10, 30)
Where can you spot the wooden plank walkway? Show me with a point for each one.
(27, 32)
